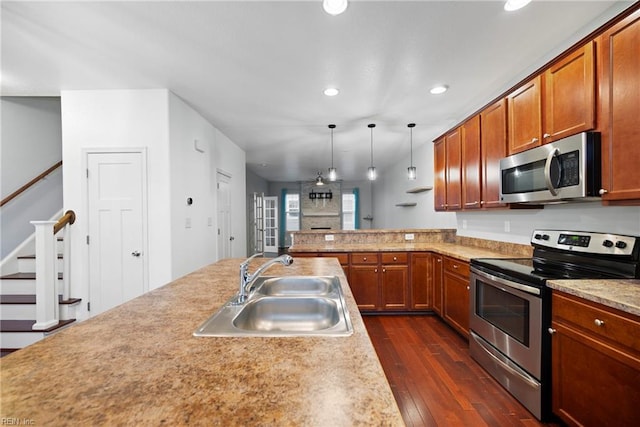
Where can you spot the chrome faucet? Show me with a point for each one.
(246, 279)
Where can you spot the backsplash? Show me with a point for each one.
(318, 237)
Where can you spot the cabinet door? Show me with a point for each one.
(456, 302)
(421, 281)
(493, 131)
(619, 82)
(395, 283)
(587, 371)
(439, 179)
(453, 176)
(525, 116)
(470, 144)
(364, 286)
(437, 277)
(569, 95)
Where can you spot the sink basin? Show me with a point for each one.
(297, 286)
(288, 314)
(284, 306)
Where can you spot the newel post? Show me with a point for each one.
(46, 276)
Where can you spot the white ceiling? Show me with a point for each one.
(256, 70)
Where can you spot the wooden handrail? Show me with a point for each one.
(69, 217)
(29, 184)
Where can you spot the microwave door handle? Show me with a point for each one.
(547, 171)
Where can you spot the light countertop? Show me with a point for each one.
(620, 294)
(139, 364)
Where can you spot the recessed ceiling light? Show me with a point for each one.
(437, 90)
(331, 91)
(334, 7)
(512, 5)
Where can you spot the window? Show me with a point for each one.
(348, 211)
(292, 212)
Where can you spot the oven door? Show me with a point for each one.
(508, 315)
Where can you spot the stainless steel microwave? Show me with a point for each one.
(564, 170)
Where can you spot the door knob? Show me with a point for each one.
(135, 253)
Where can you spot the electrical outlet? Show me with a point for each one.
(187, 223)
(210, 222)
(409, 236)
(507, 226)
(328, 237)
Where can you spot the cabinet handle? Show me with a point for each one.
(546, 135)
(439, 260)
(364, 259)
(534, 140)
(395, 259)
(384, 270)
(602, 192)
(468, 288)
(551, 331)
(455, 265)
(599, 322)
(375, 271)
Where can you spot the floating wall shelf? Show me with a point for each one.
(419, 190)
(406, 204)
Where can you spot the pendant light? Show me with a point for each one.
(333, 174)
(371, 172)
(411, 170)
(319, 179)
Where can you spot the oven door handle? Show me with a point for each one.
(513, 370)
(515, 285)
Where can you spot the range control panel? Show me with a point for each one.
(585, 241)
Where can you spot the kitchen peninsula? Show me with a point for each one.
(139, 364)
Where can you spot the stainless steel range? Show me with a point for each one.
(510, 308)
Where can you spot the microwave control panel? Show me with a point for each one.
(570, 169)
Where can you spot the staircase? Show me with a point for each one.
(18, 304)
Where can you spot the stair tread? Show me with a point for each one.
(24, 276)
(60, 256)
(31, 299)
(26, 325)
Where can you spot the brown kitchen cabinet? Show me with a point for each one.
(421, 281)
(455, 305)
(619, 105)
(365, 283)
(471, 176)
(595, 363)
(437, 272)
(554, 104)
(453, 175)
(343, 258)
(394, 281)
(440, 177)
(493, 139)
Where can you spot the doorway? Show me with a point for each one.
(225, 238)
(117, 206)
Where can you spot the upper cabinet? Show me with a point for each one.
(454, 176)
(554, 104)
(619, 106)
(493, 137)
(471, 176)
(439, 175)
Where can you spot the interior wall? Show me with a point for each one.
(110, 119)
(30, 143)
(192, 225)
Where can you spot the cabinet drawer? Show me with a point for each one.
(364, 258)
(343, 258)
(394, 258)
(604, 322)
(457, 267)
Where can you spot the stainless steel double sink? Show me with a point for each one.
(284, 306)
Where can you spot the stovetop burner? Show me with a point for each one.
(569, 255)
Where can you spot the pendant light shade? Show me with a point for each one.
(371, 172)
(335, 7)
(333, 173)
(412, 173)
(319, 179)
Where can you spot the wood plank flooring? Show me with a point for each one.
(433, 378)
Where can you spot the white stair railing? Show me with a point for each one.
(47, 312)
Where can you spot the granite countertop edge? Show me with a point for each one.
(620, 294)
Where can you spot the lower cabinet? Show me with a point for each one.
(455, 307)
(595, 363)
(437, 272)
(421, 281)
(394, 281)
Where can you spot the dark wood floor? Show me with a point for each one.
(433, 378)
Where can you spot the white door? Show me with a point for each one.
(117, 228)
(225, 239)
(270, 224)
